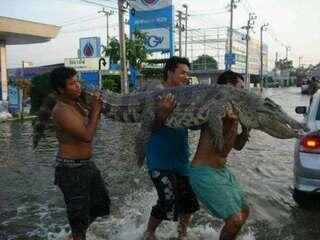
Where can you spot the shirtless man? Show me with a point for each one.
(78, 178)
(213, 183)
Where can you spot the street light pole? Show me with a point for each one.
(107, 14)
(232, 6)
(249, 26)
(262, 28)
(186, 30)
(123, 59)
(179, 26)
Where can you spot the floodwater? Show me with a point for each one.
(32, 208)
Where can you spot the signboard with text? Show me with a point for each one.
(155, 18)
(85, 64)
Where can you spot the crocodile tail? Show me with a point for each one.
(42, 119)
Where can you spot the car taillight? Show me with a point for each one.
(310, 143)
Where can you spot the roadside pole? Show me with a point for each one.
(123, 59)
(249, 26)
(262, 28)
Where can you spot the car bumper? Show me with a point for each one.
(307, 184)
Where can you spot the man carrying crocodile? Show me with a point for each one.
(168, 159)
(212, 182)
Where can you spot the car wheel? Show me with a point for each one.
(306, 200)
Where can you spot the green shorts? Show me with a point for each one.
(218, 190)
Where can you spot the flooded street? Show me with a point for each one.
(32, 208)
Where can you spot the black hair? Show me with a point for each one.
(59, 76)
(229, 77)
(172, 64)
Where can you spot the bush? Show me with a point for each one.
(112, 83)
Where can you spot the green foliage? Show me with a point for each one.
(136, 52)
(204, 62)
(112, 50)
(152, 73)
(284, 64)
(112, 83)
(40, 89)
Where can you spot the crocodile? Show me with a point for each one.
(198, 105)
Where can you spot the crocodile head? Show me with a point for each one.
(270, 118)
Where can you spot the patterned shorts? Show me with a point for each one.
(175, 195)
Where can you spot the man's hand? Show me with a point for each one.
(96, 103)
(166, 106)
(229, 114)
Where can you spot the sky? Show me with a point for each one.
(292, 23)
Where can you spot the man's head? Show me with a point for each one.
(176, 71)
(231, 78)
(65, 82)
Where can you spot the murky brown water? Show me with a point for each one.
(32, 208)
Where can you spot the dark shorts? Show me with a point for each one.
(175, 195)
(85, 193)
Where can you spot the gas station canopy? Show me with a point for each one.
(15, 31)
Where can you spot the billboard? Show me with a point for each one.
(239, 49)
(156, 19)
(90, 47)
(14, 99)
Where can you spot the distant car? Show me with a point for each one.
(307, 157)
(304, 86)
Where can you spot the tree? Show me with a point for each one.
(136, 52)
(112, 50)
(40, 89)
(284, 64)
(204, 62)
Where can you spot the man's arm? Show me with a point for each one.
(241, 139)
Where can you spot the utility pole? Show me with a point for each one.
(123, 59)
(107, 14)
(180, 29)
(288, 48)
(232, 6)
(186, 30)
(249, 26)
(262, 28)
(300, 58)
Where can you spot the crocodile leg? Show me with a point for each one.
(142, 138)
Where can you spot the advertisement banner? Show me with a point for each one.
(14, 99)
(90, 47)
(156, 18)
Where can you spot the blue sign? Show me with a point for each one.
(230, 59)
(90, 47)
(158, 24)
(91, 78)
(14, 99)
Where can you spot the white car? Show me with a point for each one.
(307, 157)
